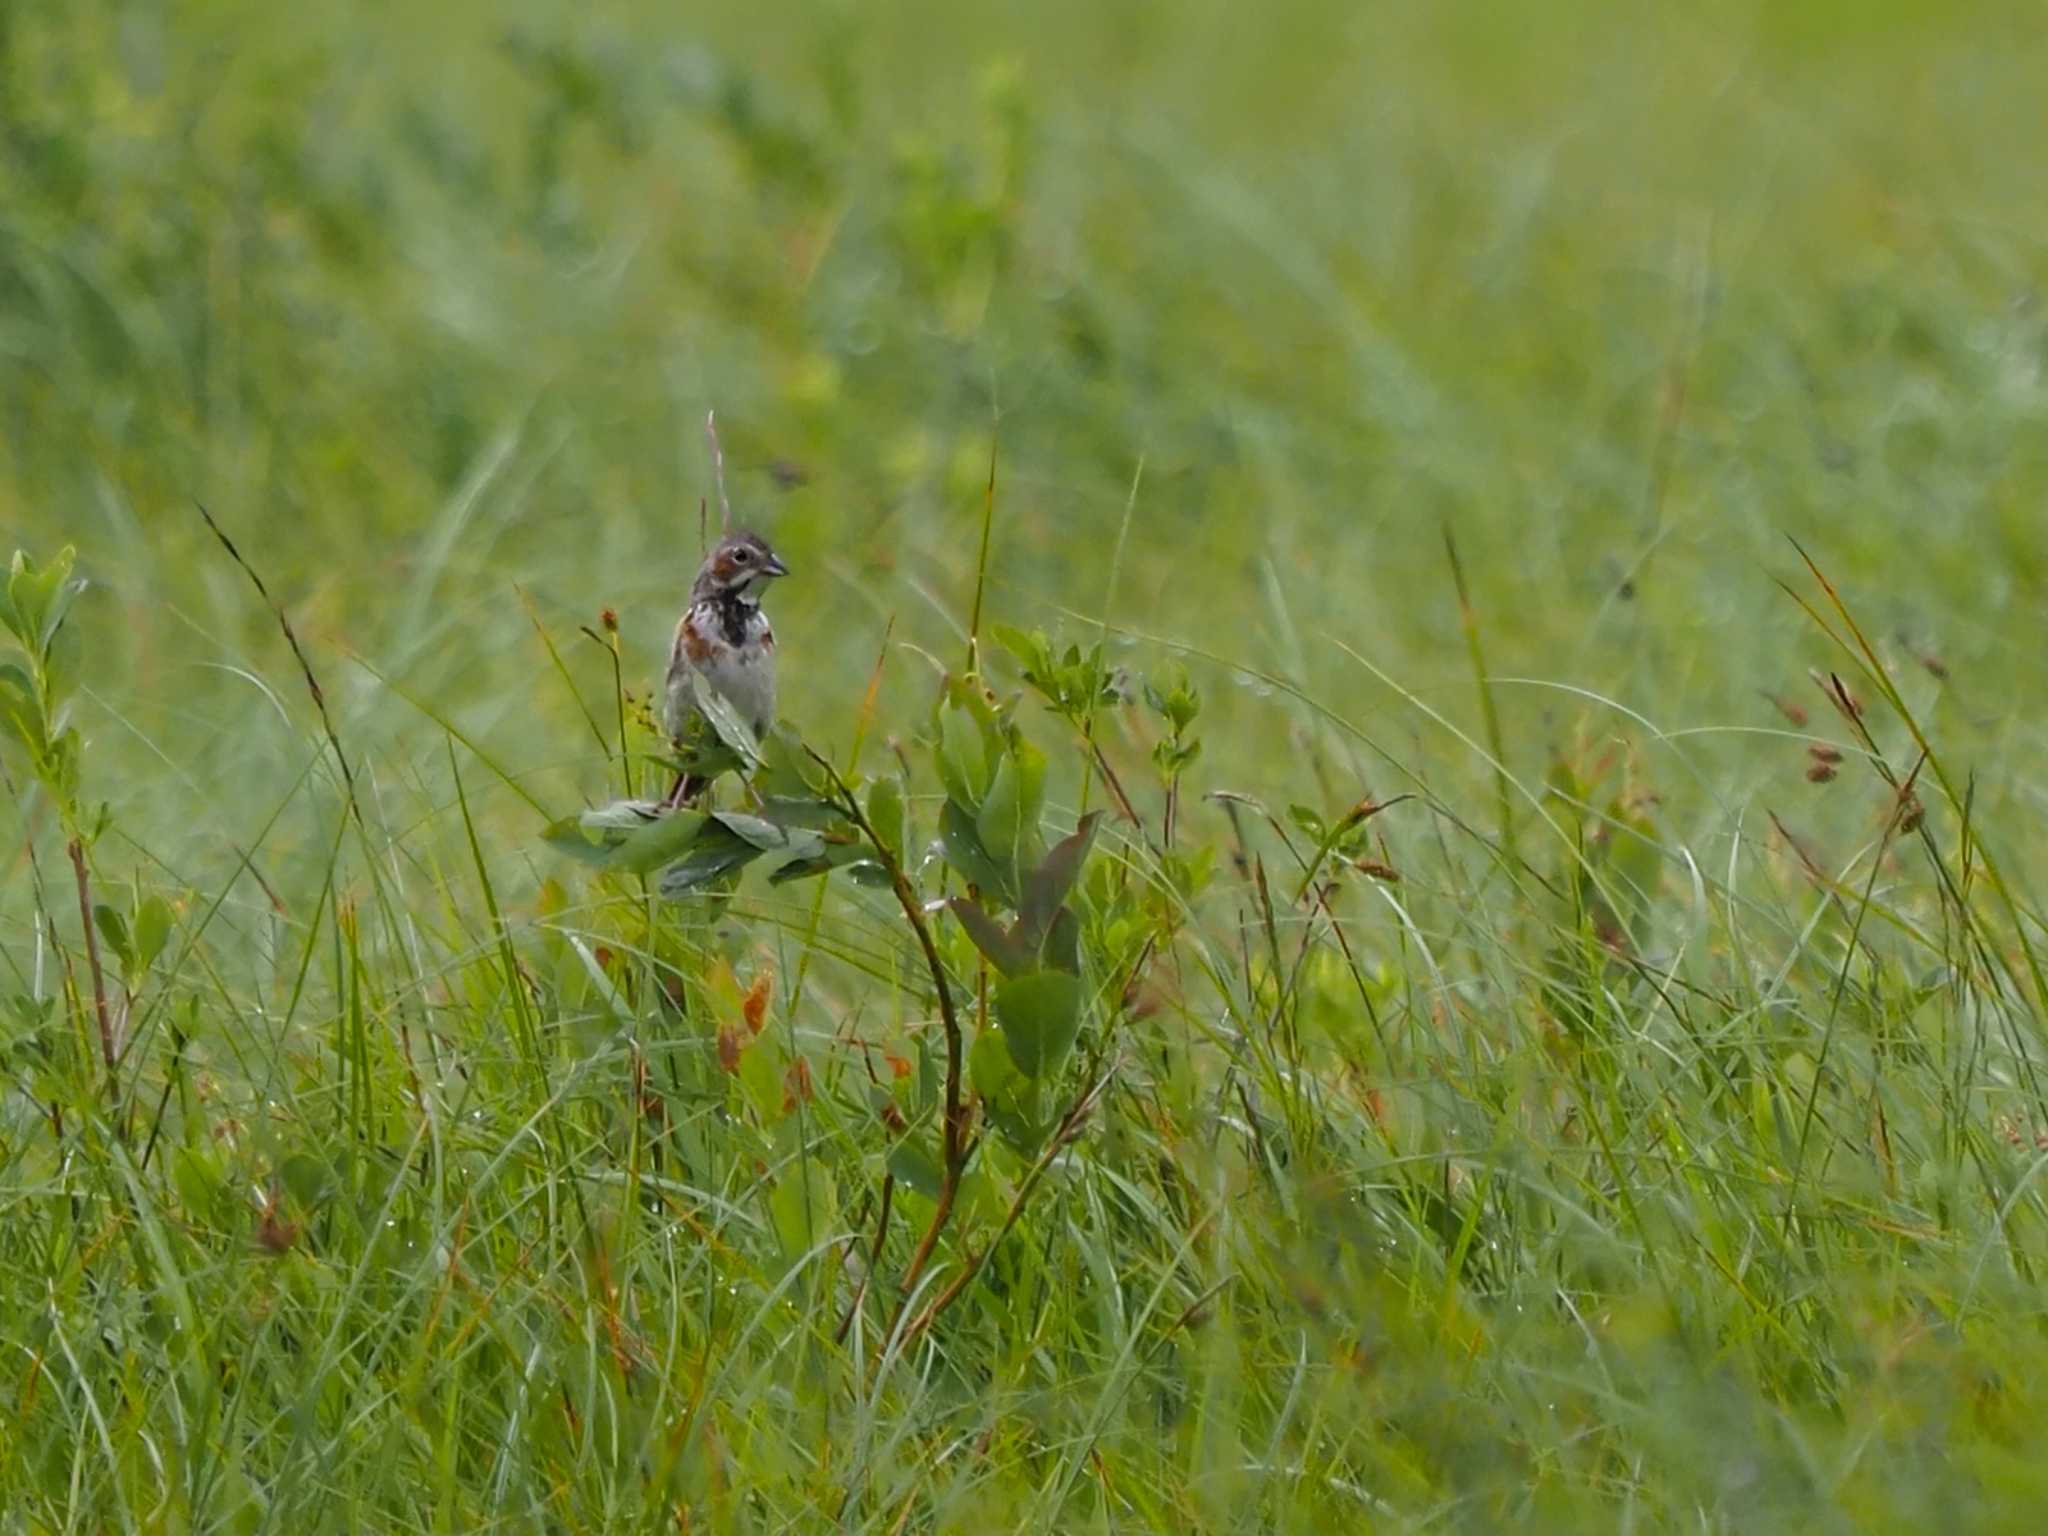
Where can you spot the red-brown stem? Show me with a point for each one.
(1069, 1127)
(874, 1258)
(92, 955)
(953, 1140)
(953, 1137)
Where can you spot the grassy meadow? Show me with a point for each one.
(1413, 699)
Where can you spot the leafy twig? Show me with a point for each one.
(1062, 1136)
(954, 1143)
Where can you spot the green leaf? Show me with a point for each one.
(568, 836)
(1310, 822)
(760, 1076)
(32, 594)
(626, 815)
(1032, 650)
(963, 765)
(1000, 822)
(801, 1208)
(1031, 767)
(657, 843)
(887, 816)
(1047, 887)
(761, 833)
(1005, 951)
(849, 856)
(60, 667)
(626, 837)
(113, 929)
(989, 1067)
(25, 599)
(153, 922)
(1040, 1012)
(1014, 1102)
(802, 811)
(20, 715)
(714, 857)
(1061, 950)
(60, 605)
(962, 849)
(913, 1164)
(736, 735)
(787, 770)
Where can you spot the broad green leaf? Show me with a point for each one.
(1000, 821)
(804, 811)
(1040, 1012)
(20, 715)
(1032, 650)
(913, 1164)
(1310, 822)
(962, 848)
(1061, 950)
(1005, 951)
(801, 1208)
(1031, 768)
(787, 770)
(989, 1067)
(153, 920)
(886, 814)
(626, 815)
(113, 929)
(849, 856)
(1014, 1103)
(568, 836)
(25, 599)
(60, 605)
(710, 860)
(620, 838)
(657, 844)
(760, 1074)
(765, 835)
(1046, 888)
(737, 736)
(963, 765)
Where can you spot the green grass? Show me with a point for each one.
(1437, 390)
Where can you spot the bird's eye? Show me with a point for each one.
(742, 555)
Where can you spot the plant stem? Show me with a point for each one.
(92, 955)
(953, 1137)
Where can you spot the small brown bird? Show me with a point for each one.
(725, 638)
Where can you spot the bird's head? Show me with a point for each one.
(740, 566)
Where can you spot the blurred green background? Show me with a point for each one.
(428, 309)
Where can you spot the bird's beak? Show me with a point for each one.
(774, 567)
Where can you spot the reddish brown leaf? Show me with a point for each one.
(754, 1007)
(796, 1084)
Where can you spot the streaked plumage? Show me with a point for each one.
(724, 637)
